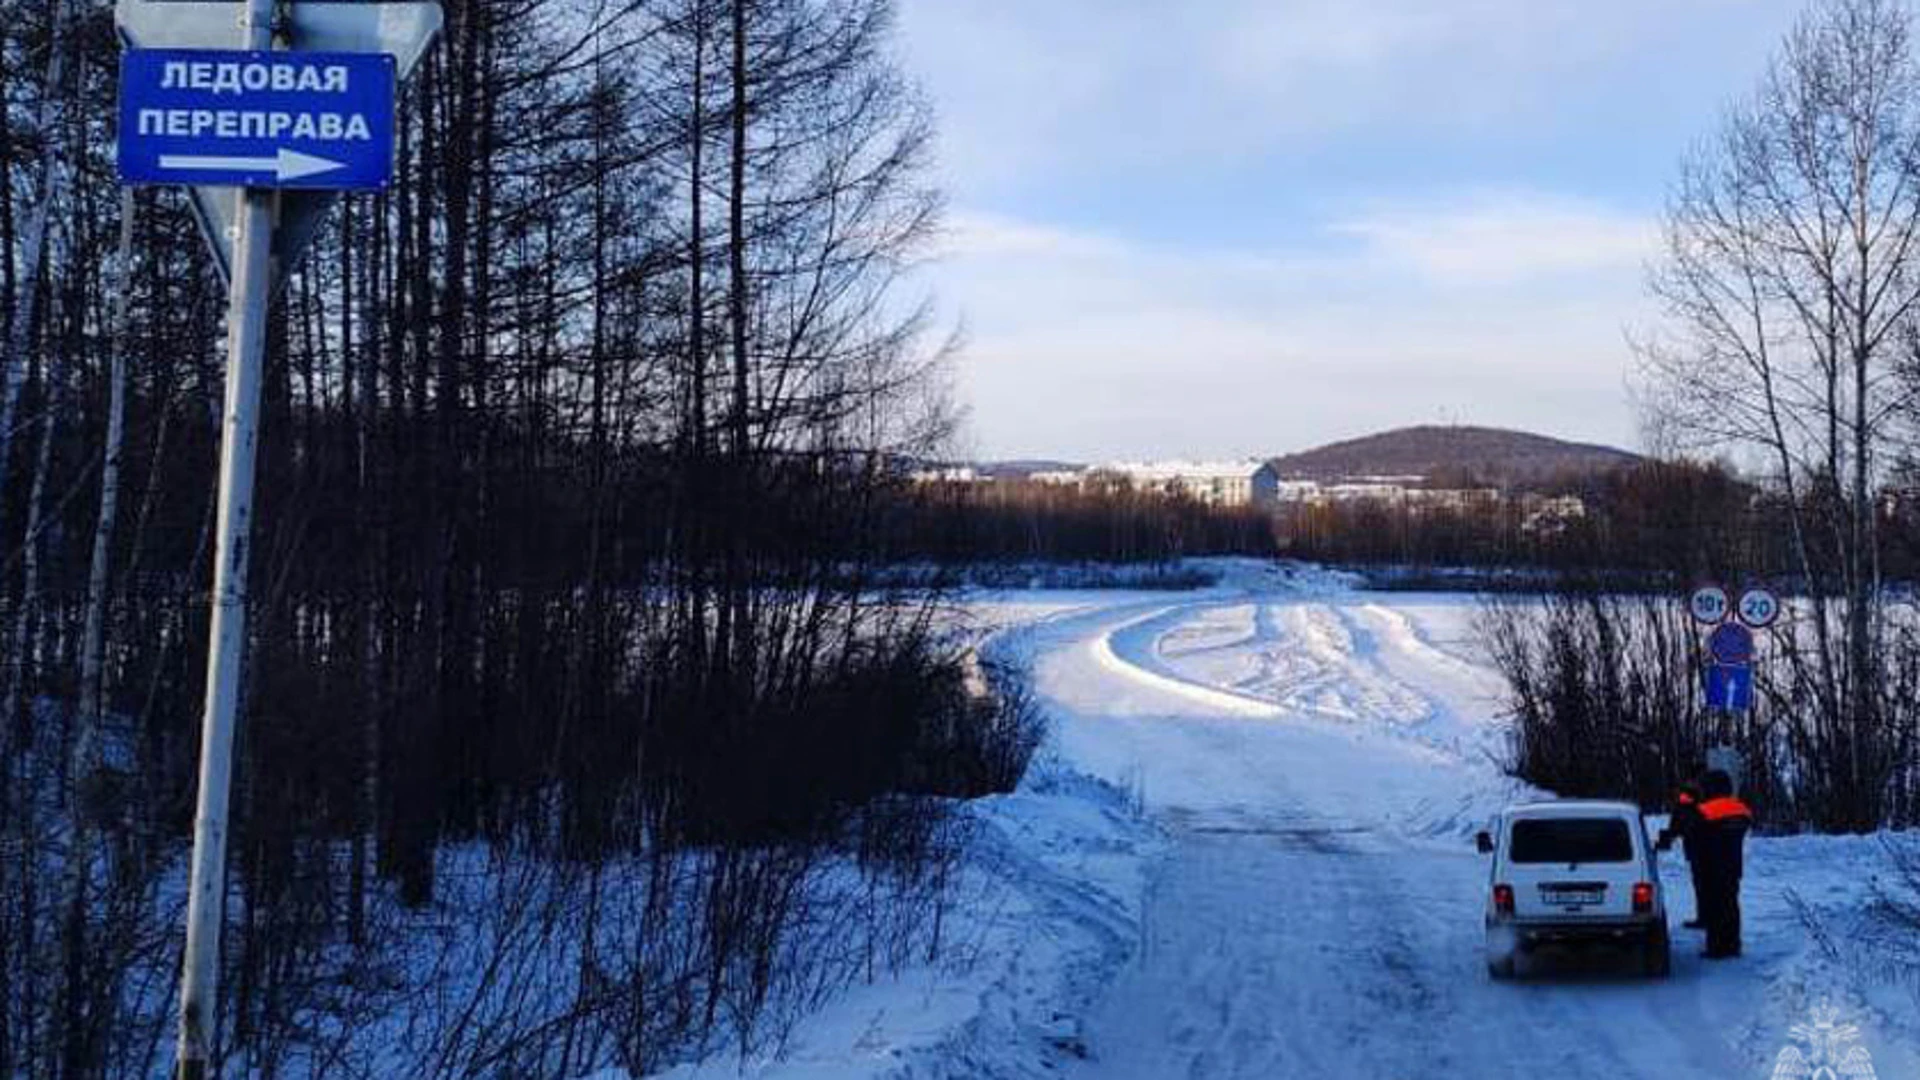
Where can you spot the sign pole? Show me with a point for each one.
(206, 107)
(249, 291)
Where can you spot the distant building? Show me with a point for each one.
(1457, 498)
(1059, 477)
(1235, 483)
(1366, 491)
(952, 474)
(1400, 491)
(1553, 516)
(1402, 480)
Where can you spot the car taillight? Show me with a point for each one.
(1643, 898)
(1503, 899)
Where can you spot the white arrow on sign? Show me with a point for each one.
(287, 165)
(403, 28)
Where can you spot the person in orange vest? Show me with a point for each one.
(1683, 825)
(1720, 856)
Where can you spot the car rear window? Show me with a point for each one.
(1571, 840)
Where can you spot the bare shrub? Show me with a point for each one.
(1606, 699)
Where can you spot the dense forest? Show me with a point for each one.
(1650, 524)
(561, 613)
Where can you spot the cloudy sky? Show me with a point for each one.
(1237, 227)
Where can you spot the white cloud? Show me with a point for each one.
(1091, 346)
(1239, 226)
(982, 235)
(1491, 239)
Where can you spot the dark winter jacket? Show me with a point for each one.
(1683, 825)
(1718, 841)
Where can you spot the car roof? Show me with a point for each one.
(1574, 808)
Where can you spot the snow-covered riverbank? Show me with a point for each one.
(1247, 855)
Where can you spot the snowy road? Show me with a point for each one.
(1318, 764)
(1247, 855)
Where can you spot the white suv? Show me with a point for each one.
(1577, 873)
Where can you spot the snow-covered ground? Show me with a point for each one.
(1247, 854)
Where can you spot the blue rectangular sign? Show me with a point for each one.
(320, 121)
(1729, 687)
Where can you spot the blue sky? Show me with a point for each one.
(1237, 227)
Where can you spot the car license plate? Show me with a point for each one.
(1571, 897)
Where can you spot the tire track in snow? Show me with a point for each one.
(1328, 667)
(1384, 696)
(1132, 651)
(1285, 936)
(1214, 636)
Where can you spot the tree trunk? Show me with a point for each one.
(34, 243)
(735, 636)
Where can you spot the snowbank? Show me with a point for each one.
(1247, 855)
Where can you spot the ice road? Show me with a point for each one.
(1285, 884)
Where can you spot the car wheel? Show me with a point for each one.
(1658, 955)
(1500, 961)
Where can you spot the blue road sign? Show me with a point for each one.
(1730, 687)
(1731, 644)
(204, 117)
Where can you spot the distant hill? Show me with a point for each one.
(1489, 455)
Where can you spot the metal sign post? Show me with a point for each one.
(1728, 673)
(246, 340)
(239, 126)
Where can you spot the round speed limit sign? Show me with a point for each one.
(1710, 605)
(1759, 608)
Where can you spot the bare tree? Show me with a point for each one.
(1792, 278)
(52, 179)
(611, 363)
